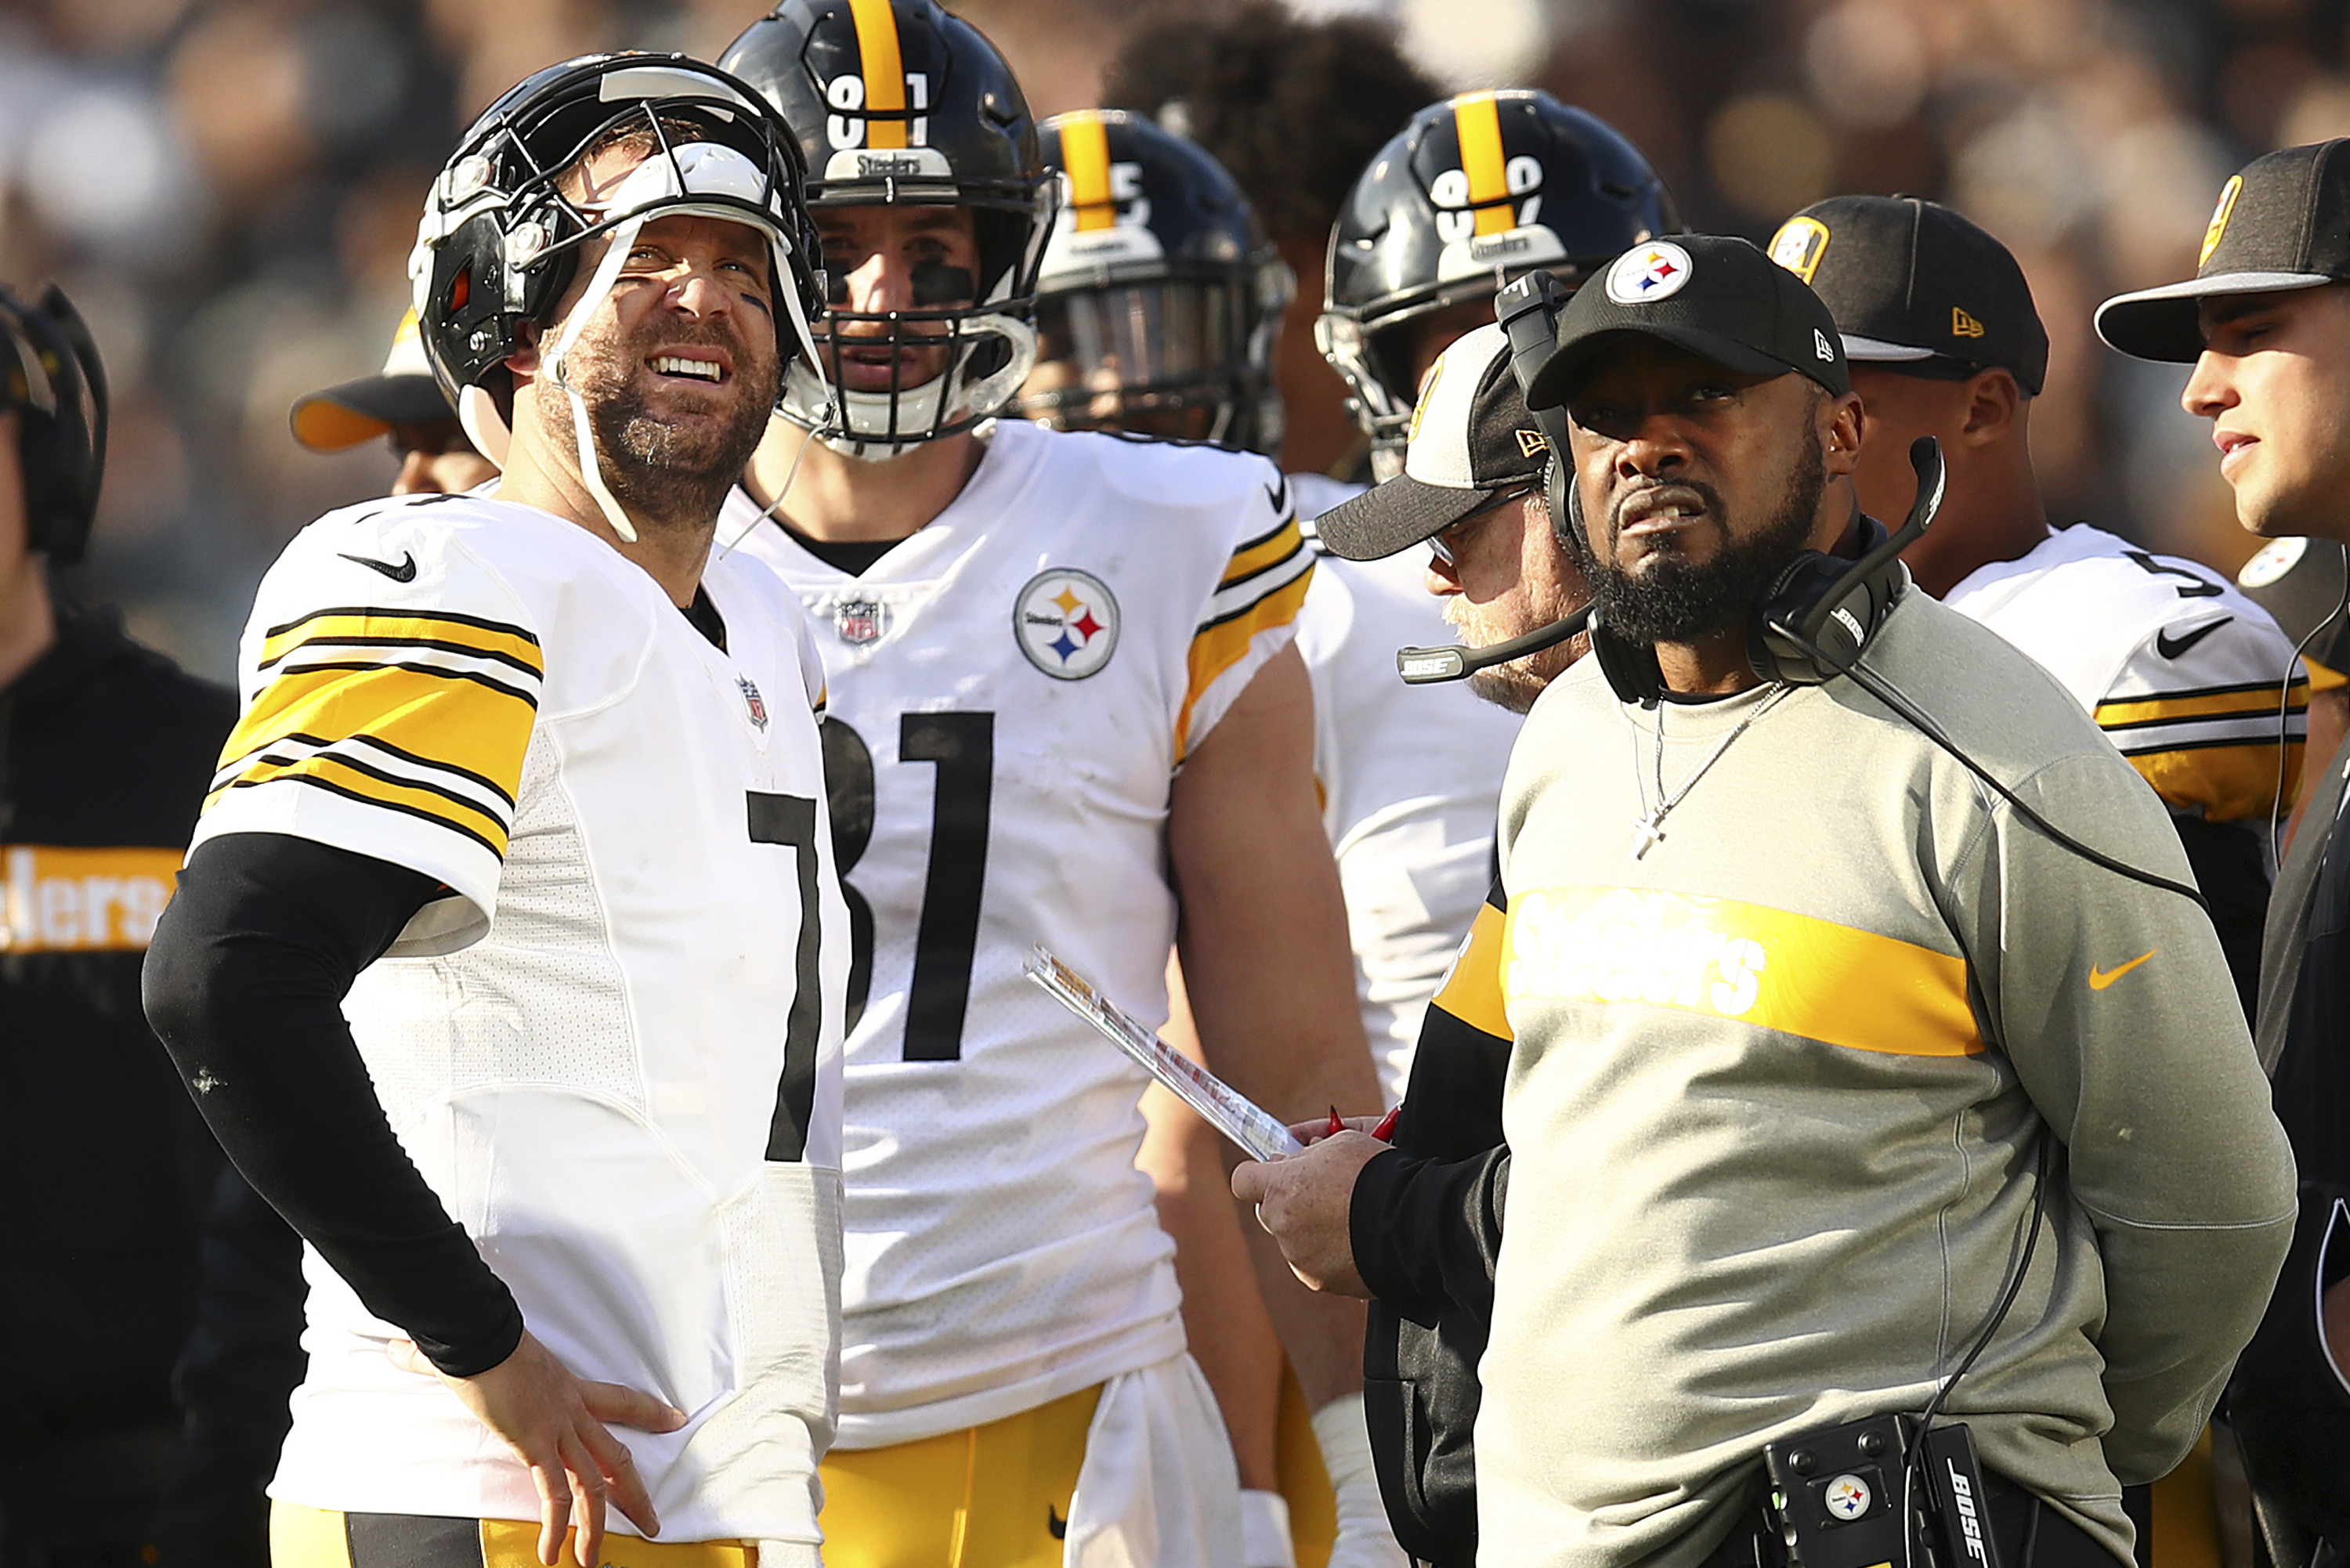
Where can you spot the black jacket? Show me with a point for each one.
(1426, 1221)
(106, 751)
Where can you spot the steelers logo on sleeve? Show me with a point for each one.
(1067, 623)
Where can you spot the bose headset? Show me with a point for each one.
(1813, 625)
(49, 373)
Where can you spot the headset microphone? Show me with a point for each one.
(1427, 666)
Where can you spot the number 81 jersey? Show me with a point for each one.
(1011, 691)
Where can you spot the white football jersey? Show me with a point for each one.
(1411, 784)
(614, 1053)
(2182, 671)
(1011, 691)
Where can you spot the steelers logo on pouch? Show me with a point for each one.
(1645, 273)
(1067, 623)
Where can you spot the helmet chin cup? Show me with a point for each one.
(875, 427)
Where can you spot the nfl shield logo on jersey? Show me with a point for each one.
(753, 701)
(860, 621)
(1067, 623)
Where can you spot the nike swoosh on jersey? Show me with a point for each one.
(2171, 647)
(404, 572)
(2100, 978)
(1278, 494)
(1056, 1524)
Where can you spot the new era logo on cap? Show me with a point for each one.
(1646, 274)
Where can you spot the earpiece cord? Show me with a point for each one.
(1885, 692)
(2285, 708)
(1914, 1448)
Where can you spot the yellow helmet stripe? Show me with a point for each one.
(1477, 123)
(1085, 154)
(885, 70)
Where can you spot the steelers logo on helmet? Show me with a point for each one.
(1646, 274)
(1067, 623)
(1485, 184)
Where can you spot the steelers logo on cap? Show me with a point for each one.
(2277, 557)
(1646, 274)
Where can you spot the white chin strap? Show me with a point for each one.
(591, 459)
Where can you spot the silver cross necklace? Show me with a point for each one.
(1649, 831)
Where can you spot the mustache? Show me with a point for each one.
(1706, 493)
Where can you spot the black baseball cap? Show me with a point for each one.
(1914, 286)
(403, 393)
(1471, 442)
(1718, 297)
(2282, 222)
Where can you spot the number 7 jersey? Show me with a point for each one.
(1011, 692)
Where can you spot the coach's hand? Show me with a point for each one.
(1303, 1200)
(556, 1422)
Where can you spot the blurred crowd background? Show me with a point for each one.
(229, 189)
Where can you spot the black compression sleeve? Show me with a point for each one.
(244, 983)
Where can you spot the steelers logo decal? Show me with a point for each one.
(2277, 557)
(1067, 623)
(1846, 1497)
(1648, 272)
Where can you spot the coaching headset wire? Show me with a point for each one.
(1885, 692)
(2285, 706)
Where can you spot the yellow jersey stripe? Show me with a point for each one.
(373, 787)
(1084, 155)
(1477, 123)
(509, 645)
(1720, 958)
(1472, 991)
(1269, 551)
(2222, 703)
(465, 726)
(2324, 678)
(885, 70)
(1221, 644)
(2229, 781)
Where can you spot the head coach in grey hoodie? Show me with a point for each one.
(1800, 997)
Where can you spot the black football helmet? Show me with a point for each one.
(500, 242)
(50, 375)
(1472, 193)
(897, 101)
(1159, 297)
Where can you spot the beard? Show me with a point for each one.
(668, 474)
(1678, 600)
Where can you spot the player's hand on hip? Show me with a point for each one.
(1305, 1202)
(557, 1423)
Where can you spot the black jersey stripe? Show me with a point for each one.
(356, 767)
(435, 670)
(386, 613)
(349, 793)
(329, 640)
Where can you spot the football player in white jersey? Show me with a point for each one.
(2184, 673)
(1063, 697)
(538, 785)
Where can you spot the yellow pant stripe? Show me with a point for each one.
(995, 1496)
